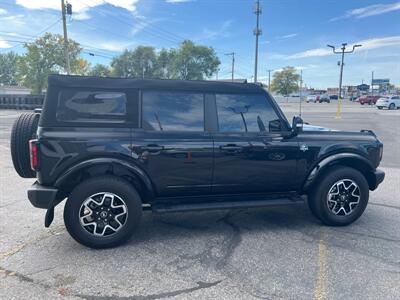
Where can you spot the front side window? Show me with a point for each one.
(246, 113)
(173, 111)
(91, 106)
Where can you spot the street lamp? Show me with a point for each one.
(342, 52)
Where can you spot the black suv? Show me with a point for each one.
(116, 147)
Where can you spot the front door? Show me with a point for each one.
(252, 151)
(172, 145)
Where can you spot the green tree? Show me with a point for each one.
(285, 82)
(45, 56)
(195, 62)
(141, 62)
(100, 70)
(8, 68)
(166, 64)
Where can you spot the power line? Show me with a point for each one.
(37, 35)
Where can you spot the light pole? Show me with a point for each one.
(257, 31)
(342, 52)
(269, 80)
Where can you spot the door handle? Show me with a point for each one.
(231, 147)
(153, 148)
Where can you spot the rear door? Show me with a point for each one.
(252, 151)
(172, 145)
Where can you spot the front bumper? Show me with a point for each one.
(42, 196)
(379, 176)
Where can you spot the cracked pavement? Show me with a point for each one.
(269, 253)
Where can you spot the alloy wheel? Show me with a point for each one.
(103, 214)
(343, 197)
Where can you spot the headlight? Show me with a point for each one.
(380, 152)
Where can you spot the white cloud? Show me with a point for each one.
(3, 11)
(179, 1)
(112, 46)
(4, 44)
(211, 34)
(83, 15)
(287, 36)
(14, 20)
(77, 6)
(368, 11)
(367, 44)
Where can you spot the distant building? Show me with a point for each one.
(332, 91)
(14, 90)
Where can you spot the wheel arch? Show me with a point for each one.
(107, 166)
(351, 160)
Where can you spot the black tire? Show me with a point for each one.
(109, 184)
(318, 197)
(23, 130)
(392, 106)
(379, 107)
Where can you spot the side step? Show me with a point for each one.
(170, 207)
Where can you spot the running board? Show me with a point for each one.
(165, 208)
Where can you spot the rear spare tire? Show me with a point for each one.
(23, 130)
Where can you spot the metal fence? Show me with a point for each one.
(26, 102)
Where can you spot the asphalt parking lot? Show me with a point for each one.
(271, 253)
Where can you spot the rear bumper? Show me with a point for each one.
(42, 196)
(379, 176)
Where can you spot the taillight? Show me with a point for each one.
(33, 151)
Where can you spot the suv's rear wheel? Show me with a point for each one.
(102, 212)
(340, 197)
(23, 130)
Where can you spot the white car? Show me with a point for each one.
(389, 102)
(312, 98)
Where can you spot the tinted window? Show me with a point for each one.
(241, 113)
(91, 106)
(173, 111)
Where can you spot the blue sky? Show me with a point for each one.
(295, 32)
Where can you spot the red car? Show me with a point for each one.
(368, 100)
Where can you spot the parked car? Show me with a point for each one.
(371, 100)
(389, 102)
(324, 98)
(312, 98)
(353, 98)
(113, 148)
(334, 97)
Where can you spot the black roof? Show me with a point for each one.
(154, 84)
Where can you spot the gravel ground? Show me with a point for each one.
(269, 253)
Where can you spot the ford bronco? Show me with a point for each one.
(115, 147)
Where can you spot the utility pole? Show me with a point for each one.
(269, 80)
(216, 74)
(301, 86)
(232, 54)
(342, 52)
(372, 84)
(257, 32)
(66, 51)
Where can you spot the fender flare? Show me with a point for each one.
(113, 161)
(330, 160)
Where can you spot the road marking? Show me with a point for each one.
(320, 287)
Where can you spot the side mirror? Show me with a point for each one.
(275, 126)
(297, 124)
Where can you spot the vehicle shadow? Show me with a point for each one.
(172, 226)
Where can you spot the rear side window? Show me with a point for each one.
(92, 106)
(246, 113)
(173, 111)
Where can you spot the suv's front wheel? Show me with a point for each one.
(340, 197)
(102, 212)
